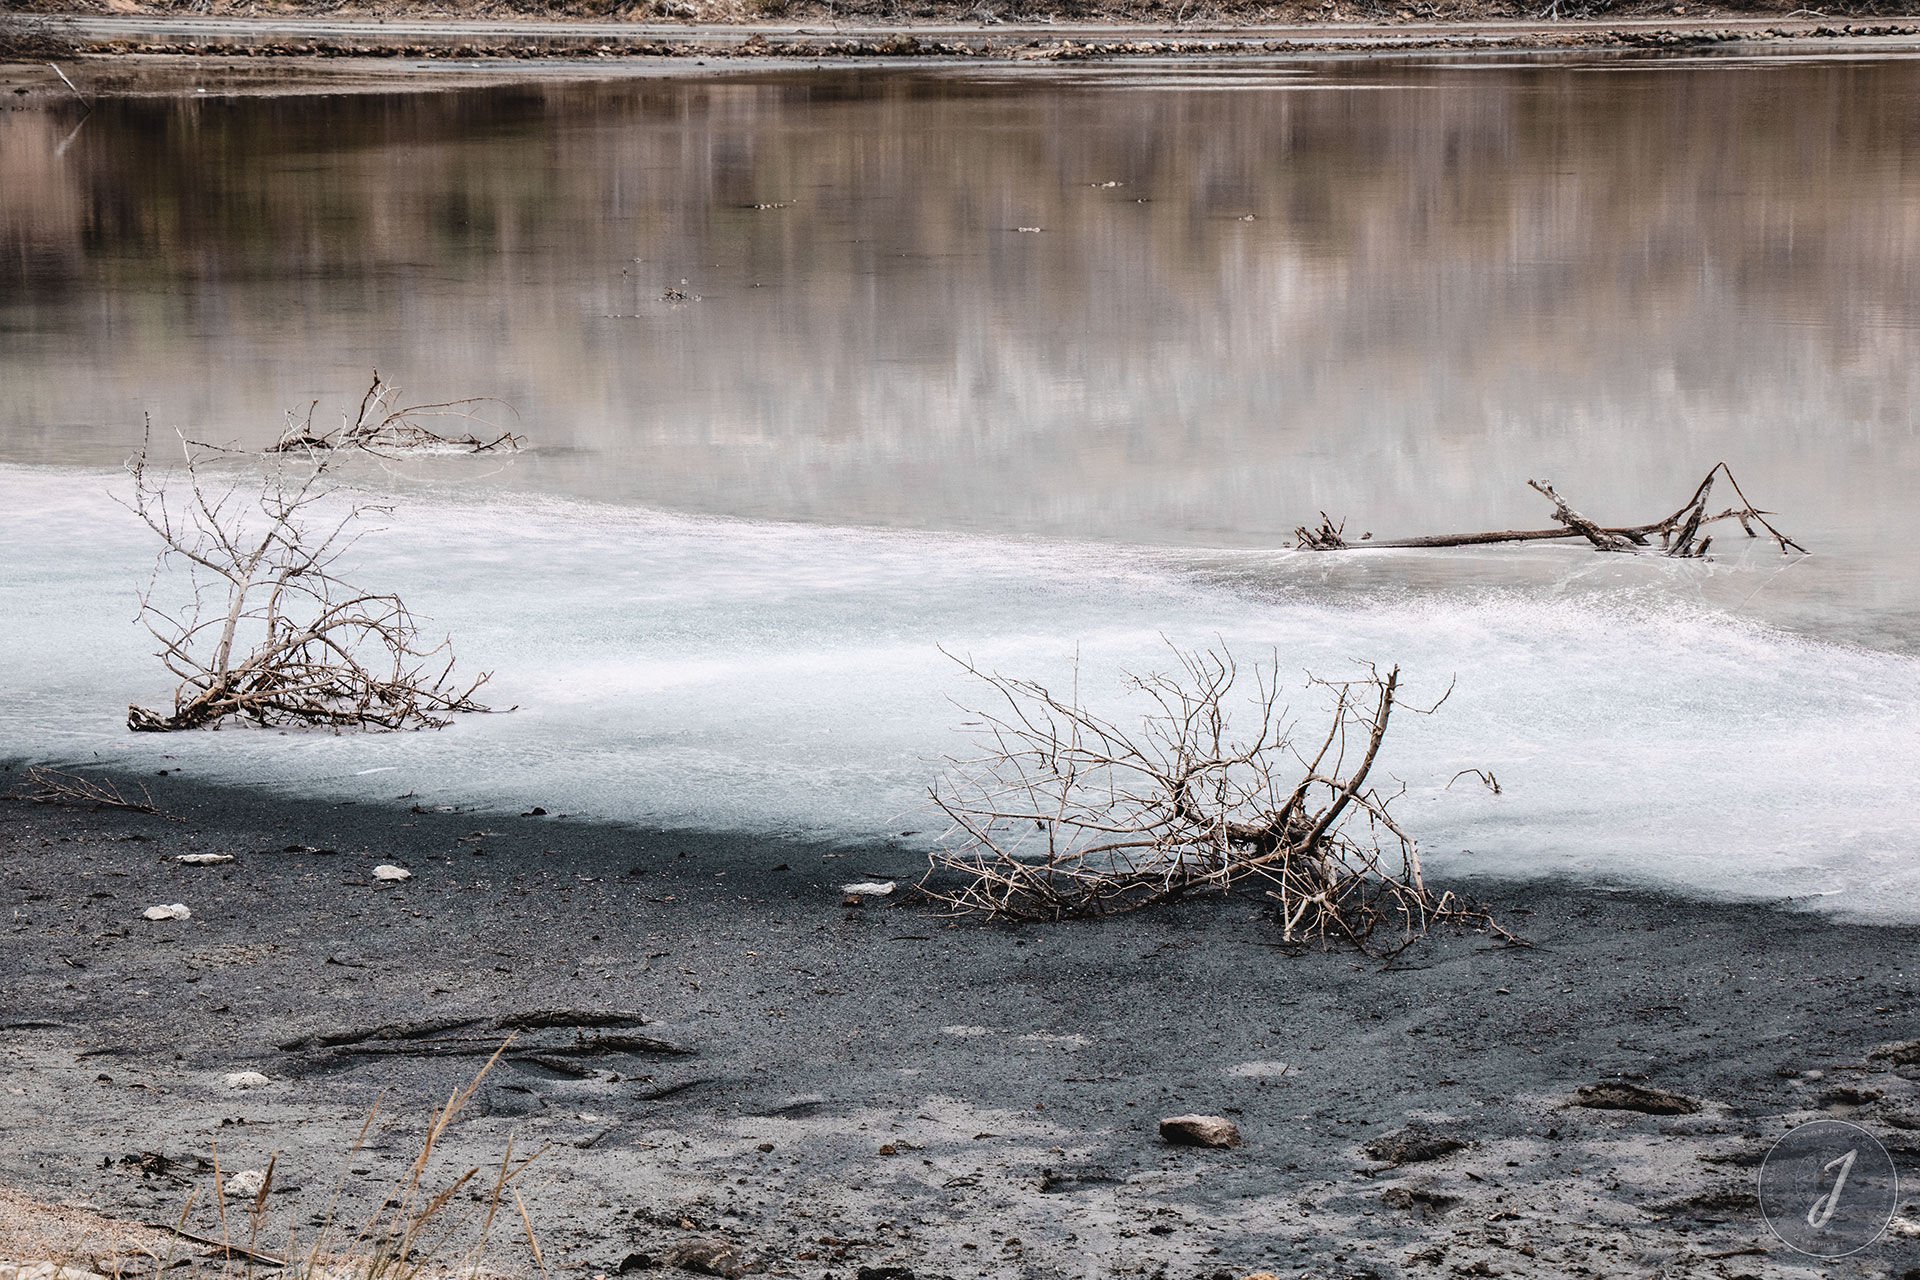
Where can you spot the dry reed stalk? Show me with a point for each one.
(407, 1236)
(51, 786)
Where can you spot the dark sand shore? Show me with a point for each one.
(877, 1087)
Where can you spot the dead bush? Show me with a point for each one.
(267, 631)
(1062, 812)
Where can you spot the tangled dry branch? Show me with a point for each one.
(51, 786)
(1680, 533)
(383, 425)
(1063, 812)
(267, 632)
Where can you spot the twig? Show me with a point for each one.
(84, 101)
(232, 1250)
(54, 787)
(1492, 783)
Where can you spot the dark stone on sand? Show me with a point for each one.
(1849, 1096)
(511, 1100)
(1902, 1053)
(707, 1258)
(1412, 1146)
(636, 1262)
(1625, 1095)
(1200, 1131)
(1427, 1203)
(884, 1273)
(1055, 1181)
(1716, 1205)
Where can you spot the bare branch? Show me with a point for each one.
(1678, 533)
(382, 425)
(50, 786)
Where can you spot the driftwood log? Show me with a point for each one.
(1679, 534)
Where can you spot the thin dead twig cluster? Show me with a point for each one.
(382, 425)
(1063, 812)
(1680, 534)
(51, 786)
(268, 632)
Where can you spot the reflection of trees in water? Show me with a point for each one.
(1450, 262)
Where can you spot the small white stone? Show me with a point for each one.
(246, 1183)
(203, 859)
(870, 888)
(174, 911)
(45, 1271)
(245, 1080)
(387, 871)
(1258, 1070)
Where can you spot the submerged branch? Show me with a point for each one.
(1679, 533)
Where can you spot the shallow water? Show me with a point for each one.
(892, 420)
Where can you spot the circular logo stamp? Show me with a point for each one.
(1828, 1189)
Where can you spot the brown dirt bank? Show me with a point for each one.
(1193, 13)
(876, 1087)
(483, 33)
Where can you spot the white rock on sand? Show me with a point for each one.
(203, 859)
(246, 1183)
(44, 1271)
(246, 1080)
(174, 911)
(869, 888)
(387, 871)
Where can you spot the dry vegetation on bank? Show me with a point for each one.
(1148, 12)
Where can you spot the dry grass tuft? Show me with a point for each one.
(424, 1228)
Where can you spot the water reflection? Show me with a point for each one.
(1392, 291)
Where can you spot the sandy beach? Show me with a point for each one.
(830, 1089)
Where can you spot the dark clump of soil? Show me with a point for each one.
(1624, 1095)
(1412, 1146)
(19, 44)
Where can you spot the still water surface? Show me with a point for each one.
(1024, 365)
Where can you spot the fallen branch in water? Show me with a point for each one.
(1679, 533)
(382, 425)
(1064, 813)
